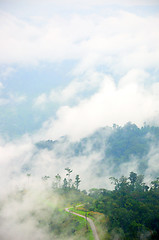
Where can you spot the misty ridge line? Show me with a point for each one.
(120, 147)
(107, 152)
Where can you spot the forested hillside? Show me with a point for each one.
(131, 210)
(117, 146)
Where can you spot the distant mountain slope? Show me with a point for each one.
(131, 140)
(116, 146)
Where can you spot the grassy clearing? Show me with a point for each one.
(82, 227)
(98, 219)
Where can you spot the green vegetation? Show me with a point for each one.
(68, 226)
(43, 214)
(99, 219)
(130, 211)
(132, 208)
(130, 140)
(83, 229)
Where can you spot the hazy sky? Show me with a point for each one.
(70, 67)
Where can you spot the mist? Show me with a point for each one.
(28, 204)
(79, 90)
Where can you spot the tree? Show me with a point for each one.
(65, 183)
(120, 184)
(115, 181)
(123, 183)
(135, 212)
(58, 180)
(77, 181)
(145, 187)
(68, 174)
(133, 177)
(139, 185)
(45, 178)
(155, 184)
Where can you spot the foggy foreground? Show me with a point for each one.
(36, 209)
(112, 175)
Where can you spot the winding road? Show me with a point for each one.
(95, 234)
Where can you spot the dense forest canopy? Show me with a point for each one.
(132, 208)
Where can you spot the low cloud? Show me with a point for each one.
(6, 72)
(1, 85)
(16, 98)
(129, 100)
(41, 100)
(73, 92)
(125, 47)
(153, 166)
(12, 99)
(22, 157)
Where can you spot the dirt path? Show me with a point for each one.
(90, 222)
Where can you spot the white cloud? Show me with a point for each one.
(119, 42)
(6, 72)
(12, 99)
(9, 98)
(1, 85)
(71, 93)
(130, 100)
(153, 166)
(123, 44)
(13, 155)
(80, 4)
(3, 101)
(67, 93)
(16, 98)
(41, 100)
(134, 77)
(114, 2)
